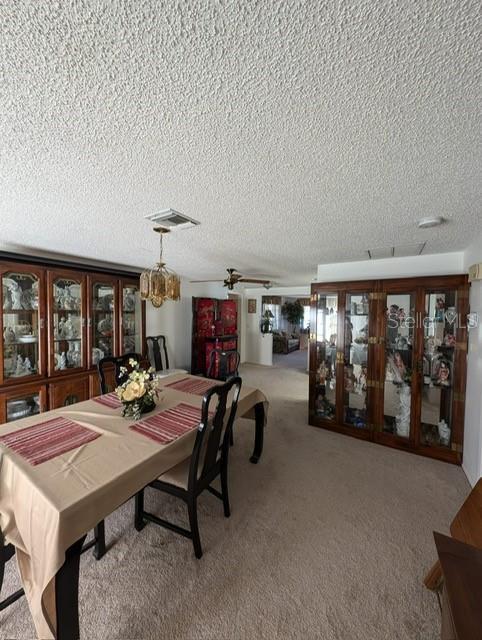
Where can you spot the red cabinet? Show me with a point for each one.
(214, 326)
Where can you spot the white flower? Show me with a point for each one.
(133, 391)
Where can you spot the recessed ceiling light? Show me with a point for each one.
(426, 223)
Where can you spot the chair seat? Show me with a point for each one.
(163, 373)
(177, 475)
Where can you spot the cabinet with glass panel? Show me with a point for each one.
(57, 321)
(388, 362)
(22, 324)
(132, 317)
(102, 317)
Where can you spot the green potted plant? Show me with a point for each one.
(293, 312)
(267, 322)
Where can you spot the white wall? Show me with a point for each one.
(258, 349)
(472, 463)
(427, 265)
(174, 320)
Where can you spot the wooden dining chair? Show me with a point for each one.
(209, 459)
(223, 364)
(159, 357)
(115, 362)
(7, 551)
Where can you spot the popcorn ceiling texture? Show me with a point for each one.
(297, 132)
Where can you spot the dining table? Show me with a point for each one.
(51, 498)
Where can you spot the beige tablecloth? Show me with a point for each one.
(44, 509)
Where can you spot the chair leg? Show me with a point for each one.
(139, 522)
(99, 535)
(224, 490)
(192, 509)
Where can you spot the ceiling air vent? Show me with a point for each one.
(402, 251)
(172, 219)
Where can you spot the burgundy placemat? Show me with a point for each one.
(190, 385)
(170, 424)
(109, 400)
(47, 440)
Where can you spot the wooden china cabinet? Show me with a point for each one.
(388, 362)
(57, 320)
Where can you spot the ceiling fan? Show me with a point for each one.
(234, 277)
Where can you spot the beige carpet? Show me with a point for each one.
(329, 538)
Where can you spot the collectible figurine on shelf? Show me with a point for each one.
(444, 433)
(449, 340)
(20, 371)
(439, 309)
(27, 366)
(9, 335)
(443, 375)
(60, 328)
(402, 419)
(63, 361)
(16, 295)
(395, 369)
(322, 373)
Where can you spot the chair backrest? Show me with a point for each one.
(157, 345)
(223, 364)
(214, 430)
(117, 363)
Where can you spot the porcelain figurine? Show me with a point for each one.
(20, 371)
(69, 330)
(9, 335)
(444, 432)
(402, 420)
(63, 361)
(443, 376)
(27, 366)
(16, 295)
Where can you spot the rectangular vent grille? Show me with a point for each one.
(401, 251)
(172, 219)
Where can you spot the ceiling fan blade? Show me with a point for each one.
(194, 281)
(254, 280)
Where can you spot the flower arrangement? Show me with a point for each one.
(138, 391)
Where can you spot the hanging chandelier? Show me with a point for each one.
(160, 284)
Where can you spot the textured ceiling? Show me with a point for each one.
(297, 132)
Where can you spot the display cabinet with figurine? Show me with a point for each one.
(57, 320)
(388, 362)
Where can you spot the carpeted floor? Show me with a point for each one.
(329, 538)
(295, 360)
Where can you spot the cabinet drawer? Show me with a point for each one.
(67, 392)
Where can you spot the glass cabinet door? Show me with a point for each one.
(399, 361)
(355, 356)
(326, 339)
(132, 319)
(15, 404)
(440, 325)
(102, 319)
(22, 325)
(67, 322)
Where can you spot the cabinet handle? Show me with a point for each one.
(42, 323)
(89, 322)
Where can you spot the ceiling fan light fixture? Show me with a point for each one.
(160, 283)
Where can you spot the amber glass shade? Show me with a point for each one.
(160, 284)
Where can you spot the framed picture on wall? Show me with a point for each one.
(251, 305)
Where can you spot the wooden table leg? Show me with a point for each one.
(67, 594)
(260, 419)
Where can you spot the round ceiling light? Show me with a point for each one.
(426, 223)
